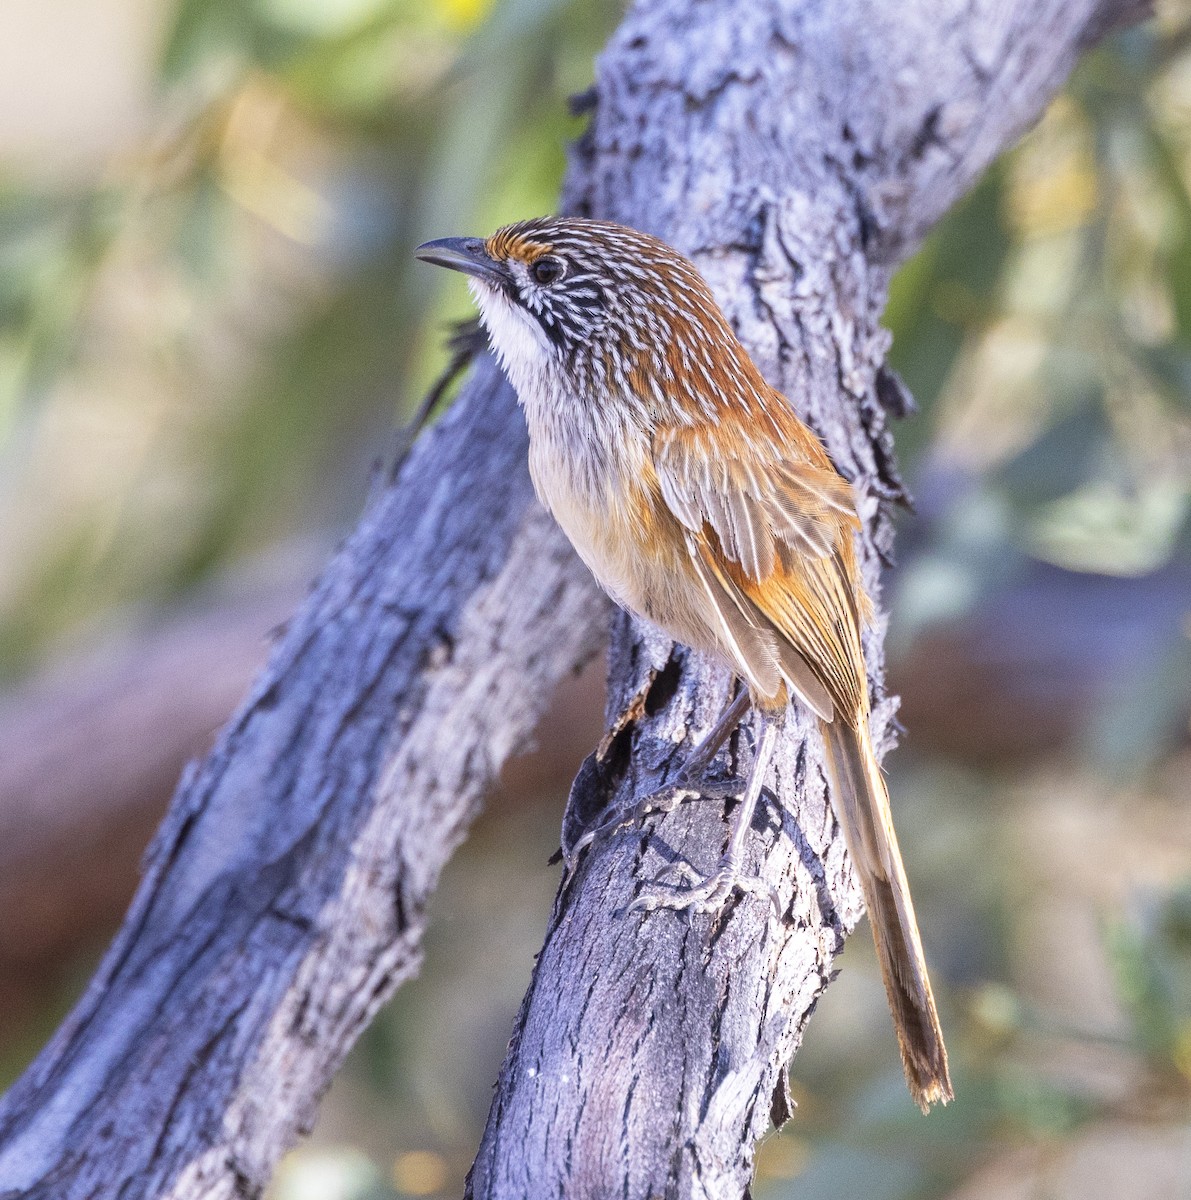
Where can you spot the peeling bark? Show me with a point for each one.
(797, 152)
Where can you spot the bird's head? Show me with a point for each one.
(587, 301)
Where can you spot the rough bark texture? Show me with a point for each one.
(90, 752)
(284, 896)
(797, 151)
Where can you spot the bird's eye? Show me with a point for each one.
(547, 270)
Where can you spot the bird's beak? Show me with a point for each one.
(464, 254)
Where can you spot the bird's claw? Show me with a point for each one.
(670, 799)
(664, 800)
(705, 893)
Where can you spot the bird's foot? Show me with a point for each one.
(664, 800)
(704, 893)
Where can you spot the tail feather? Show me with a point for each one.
(861, 804)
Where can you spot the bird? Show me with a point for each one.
(703, 504)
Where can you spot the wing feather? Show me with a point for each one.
(753, 646)
(787, 663)
(769, 525)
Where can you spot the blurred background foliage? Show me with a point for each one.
(210, 324)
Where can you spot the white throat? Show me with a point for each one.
(522, 347)
(575, 441)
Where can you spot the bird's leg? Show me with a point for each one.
(710, 893)
(688, 783)
(690, 778)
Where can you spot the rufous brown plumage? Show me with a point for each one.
(701, 502)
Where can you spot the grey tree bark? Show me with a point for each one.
(797, 151)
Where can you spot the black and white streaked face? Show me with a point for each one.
(564, 284)
(556, 288)
(543, 287)
(584, 308)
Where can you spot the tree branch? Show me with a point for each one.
(89, 754)
(284, 896)
(797, 151)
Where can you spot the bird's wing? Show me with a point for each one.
(762, 504)
(769, 524)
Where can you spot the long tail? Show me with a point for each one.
(861, 804)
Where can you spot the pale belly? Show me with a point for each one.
(641, 563)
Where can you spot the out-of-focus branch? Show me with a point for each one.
(1023, 674)
(90, 752)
